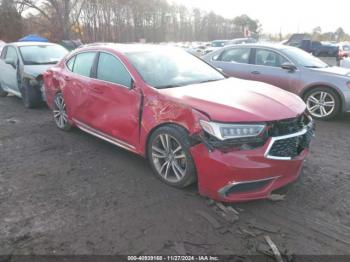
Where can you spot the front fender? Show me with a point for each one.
(159, 111)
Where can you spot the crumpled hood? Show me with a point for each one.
(36, 70)
(334, 70)
(236, 100)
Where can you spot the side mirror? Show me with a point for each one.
(10, 61)
(289, 67)
(222, 72)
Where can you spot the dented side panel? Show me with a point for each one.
(158, 111)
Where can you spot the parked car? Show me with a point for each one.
(239, 139)
(22, 65)
(326, 90)
(239, 41)
(319, 49)
(197, 50)
(217, 44)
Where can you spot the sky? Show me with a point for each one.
(291, 16)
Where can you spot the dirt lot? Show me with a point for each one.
(70, 193)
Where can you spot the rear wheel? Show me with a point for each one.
(2, 92)
(322, 103)
(169, 156)
(60, 113)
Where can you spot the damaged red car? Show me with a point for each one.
(239, 140)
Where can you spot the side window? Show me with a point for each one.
(70, 63)
(83, 63)
(11, 54)
(237, 55)
(110, 69)
(3, 53)
(269, 58)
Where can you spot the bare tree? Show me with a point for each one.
(11, 24)
(61, 14)
(131, 20)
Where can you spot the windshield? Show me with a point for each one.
(166, 68)
(304, 59)
(42, 54)
(218, 43)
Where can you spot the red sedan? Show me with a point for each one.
(238, 139)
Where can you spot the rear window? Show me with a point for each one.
(237, 55)
(83, 63)
(110, 69)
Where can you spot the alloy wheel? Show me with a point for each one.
(169, 158)
(321, 104)
(59, 112)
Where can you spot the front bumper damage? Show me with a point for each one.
(243, 175)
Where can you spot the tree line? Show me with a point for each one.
(118, 21)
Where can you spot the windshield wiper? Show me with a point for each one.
(315, 66)
(41, 63)
(210, 80)
(167, 86)
(186, 84)
(50, 63)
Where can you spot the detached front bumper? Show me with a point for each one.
(248, 175)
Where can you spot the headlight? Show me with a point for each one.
(230, 131)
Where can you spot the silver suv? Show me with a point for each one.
(325, 89)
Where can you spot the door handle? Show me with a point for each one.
(67, 78)
(255, 73)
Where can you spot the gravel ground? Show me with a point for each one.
(70, 193)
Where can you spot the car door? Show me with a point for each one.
(76, 80)
(267, 68)
(9, 74)
(114, 105)
(233, 61)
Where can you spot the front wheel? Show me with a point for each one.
(60, 113)
(322, 103)
(169, 156)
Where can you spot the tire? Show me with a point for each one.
(60, 114)
(172, 166)
(322, 103)
(31, 96)
(2, 92)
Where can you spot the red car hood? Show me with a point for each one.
(236, 100)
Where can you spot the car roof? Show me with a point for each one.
(263, 45)
(19, 44)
